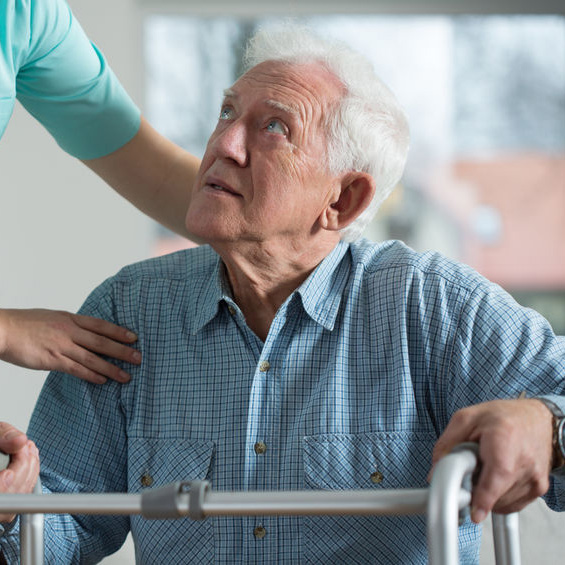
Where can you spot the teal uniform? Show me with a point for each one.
(62, 79)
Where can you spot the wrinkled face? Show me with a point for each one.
(264, 176)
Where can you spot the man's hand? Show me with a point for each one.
(515, 452)
(21, 475)
(60, 341)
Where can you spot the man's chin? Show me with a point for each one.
(195, 237)
(198, 227)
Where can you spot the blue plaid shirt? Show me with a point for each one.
(361, 371)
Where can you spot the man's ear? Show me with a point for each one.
(357, 191)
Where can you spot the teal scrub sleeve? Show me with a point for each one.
(66, 84)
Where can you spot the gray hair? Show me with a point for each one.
(368, 131)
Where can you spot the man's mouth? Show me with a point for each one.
(222, 188)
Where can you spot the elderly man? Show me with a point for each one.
(285, 355)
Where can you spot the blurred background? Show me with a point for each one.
(483, 84)
(485, 95)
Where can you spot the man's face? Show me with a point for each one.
(264, 176)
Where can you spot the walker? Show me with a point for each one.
(445, 503)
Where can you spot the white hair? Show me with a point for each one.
(368, 131)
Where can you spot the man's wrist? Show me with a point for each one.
(558, 434)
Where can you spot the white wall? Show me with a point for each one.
(62, 232)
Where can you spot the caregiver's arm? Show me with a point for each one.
(152, 173)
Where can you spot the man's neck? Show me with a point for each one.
(262, 277)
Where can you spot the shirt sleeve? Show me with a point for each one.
(79, 429)
(501, 350)
(66, 84)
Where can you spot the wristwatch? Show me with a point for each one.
(558, 460)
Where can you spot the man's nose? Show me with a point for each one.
(231, 144)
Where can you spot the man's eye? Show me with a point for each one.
(226, 113)
(274, 126)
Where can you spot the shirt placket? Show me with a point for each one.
(262, 458)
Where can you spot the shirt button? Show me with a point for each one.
(146, 480)
(259, 532)
(377, 477)
(260, 447)
(231, 309)
(264, 366)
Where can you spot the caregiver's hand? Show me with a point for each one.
(60, 341)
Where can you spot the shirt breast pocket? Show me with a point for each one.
(368, 460)
(157, 462)
(380, 460)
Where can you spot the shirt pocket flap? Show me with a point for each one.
(369, 460)
(157, 462)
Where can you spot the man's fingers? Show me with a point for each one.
(455, 433)
(512, 503)
(460, 429)
(488, 497)
(491, 485)
(514, 438)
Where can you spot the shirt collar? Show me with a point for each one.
(213, 289)
(320, 293)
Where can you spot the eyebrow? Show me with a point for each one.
(284, 107)
(230, 93)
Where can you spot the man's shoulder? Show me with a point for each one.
(186, 265)
(395, 258)
(183, 275)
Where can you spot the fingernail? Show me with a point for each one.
(136, 357)
(12, 434)
(478, 515)
(131, 336)
(124, 377)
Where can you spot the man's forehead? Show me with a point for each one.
(288, 85)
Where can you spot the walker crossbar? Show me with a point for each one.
(444, 502)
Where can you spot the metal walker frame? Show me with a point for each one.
(445, 502)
